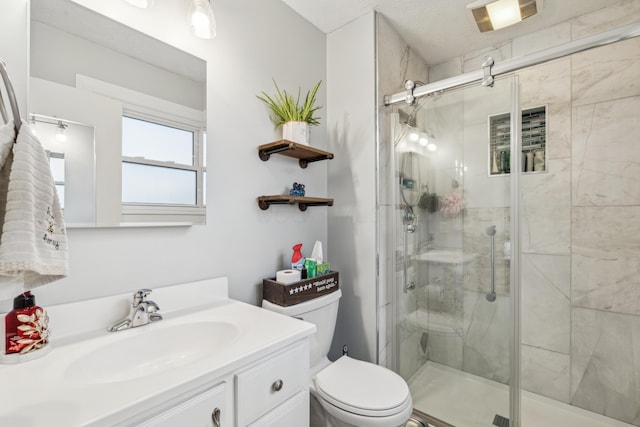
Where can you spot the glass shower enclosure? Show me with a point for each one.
(451, 184)
(510, 244)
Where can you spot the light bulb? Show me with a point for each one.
(432, 147)
(202, 22)
(424, 141)
(61, 136)
(414, 137)
(504, 13)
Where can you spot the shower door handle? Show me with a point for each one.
(491, 296)
(406, 285)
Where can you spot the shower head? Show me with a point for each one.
(491, 296)
(491, 230)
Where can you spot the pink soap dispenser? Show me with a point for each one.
(26, 326)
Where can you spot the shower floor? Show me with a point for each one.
(466, 400)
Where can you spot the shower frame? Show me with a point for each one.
(486, 76)
(597, 40)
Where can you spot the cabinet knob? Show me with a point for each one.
(215, 417)
(277, 386)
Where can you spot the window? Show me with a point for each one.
(162, 166)
(56, 162)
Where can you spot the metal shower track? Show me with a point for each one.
(589, 42)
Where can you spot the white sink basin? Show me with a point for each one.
(151, 350)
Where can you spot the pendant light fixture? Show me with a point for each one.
(61, 136)
(493, 15)
(202, 22)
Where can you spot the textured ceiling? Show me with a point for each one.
(439, 29)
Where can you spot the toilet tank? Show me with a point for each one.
(322, 312)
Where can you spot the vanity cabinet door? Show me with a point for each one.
(199, 411)
(292, 413)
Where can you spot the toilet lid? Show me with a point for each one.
(362, 387)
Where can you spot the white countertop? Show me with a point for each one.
(42, 392)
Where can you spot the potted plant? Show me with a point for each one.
(295, 117)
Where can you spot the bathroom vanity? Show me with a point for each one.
(211, 361)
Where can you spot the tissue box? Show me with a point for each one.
(297, 292)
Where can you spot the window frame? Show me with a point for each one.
(58, 155)
(173, 212)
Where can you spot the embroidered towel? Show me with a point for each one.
(33, 241)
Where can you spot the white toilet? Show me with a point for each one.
(347, 392)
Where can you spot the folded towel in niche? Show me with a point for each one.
(33, 240)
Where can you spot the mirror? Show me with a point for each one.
(133, 112)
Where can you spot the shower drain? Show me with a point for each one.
(500, 421)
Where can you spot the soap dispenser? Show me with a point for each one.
(26, 326)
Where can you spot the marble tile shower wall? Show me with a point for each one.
(396, 62)
(580, 230)
(605, 231)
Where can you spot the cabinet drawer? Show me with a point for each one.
(195, 412)
(266, 385)
(292, 413)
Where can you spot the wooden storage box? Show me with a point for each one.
(297, 292)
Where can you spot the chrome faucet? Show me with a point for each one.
(142, 311)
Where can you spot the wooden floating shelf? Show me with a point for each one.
(305, 153)
(303, 202)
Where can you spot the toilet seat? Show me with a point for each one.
(362, 388)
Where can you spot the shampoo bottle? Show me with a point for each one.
(297, 260)
(26, 325)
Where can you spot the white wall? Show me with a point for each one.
(59, 56)
(105, 114)
(257, 40)
(351, 180)
(13, 46)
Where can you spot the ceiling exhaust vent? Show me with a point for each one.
(493, 15)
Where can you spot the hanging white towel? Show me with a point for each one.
(33, 240)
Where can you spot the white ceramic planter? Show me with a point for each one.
(296, 132)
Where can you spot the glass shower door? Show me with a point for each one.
(451, 227)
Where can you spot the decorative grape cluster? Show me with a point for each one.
(297, 190)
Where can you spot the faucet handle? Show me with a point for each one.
(140, 295)
(152, 307)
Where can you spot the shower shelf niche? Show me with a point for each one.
(304, 153)
(534, 147)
